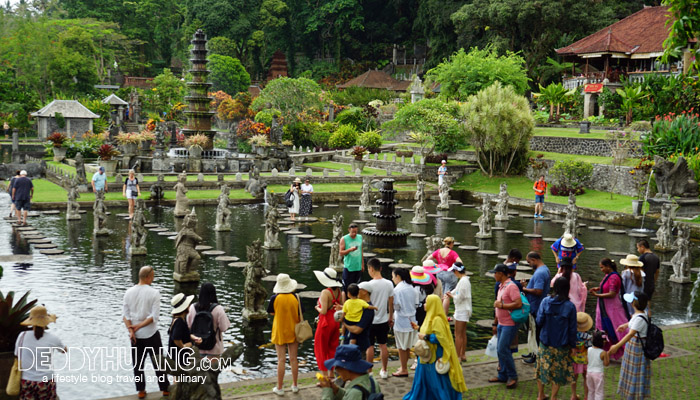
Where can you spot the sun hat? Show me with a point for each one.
(284, 284)
(348, 356)
(499, 268)
(23, 173)
(584, 322)
(429, 267)
(366, 286)
(419, 276)
(457, 266)
(631, 261)
(39, 317)
(568, 240)
(328, 278)
(629, 297)
(180, 303)
(297, 180)
(443, 162)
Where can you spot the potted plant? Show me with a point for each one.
(147, 138)
(129, 142)
(106, 152)
(57, 140)
(196, 144)
(11, 315)
(640, 177)
(287, 144)
(260, 144)
(357, 162)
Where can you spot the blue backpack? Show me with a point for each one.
(522, 314)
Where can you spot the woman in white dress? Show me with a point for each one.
(296, 193)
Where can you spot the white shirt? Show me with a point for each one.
(462, 296)
(405, 301)
(141, 302)
(382, 289)
(639, 324)
(306, 188)
(35, 357)
(595, 364)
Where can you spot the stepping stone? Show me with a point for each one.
(32, 235)
(406, 210)
(371, 224)
(158, 229)
(122, 215)
(361, 221)
(307, 219)
(469, 248)
(369, 255)
(285, 214)
(314, 206)
(617, 231)
(558, 221)
(485, 323)
(9, 218)
(284, 222)
(487, 252)
(619, 253)
(474, 224)
(319, 240)
(310, 294)
(239, 264)
(582, 225)
(532, 235)
(518, 275)
(108, 213)
(513, 213)
(25, 229)
(463, 221)
(454, 202)
(126, 218)
(293, 232)
(433, 216)
(666, 263)
(385, 260)
(596, 228)
(306, 236)
(353, 206)
(400, 265)
(526, 216)
(595, 248)
(695, 270)
(16, 258)
(637, 234)
(213, 252)
(39, 241)
(418, 235)
(45, 246)
(50, 212)
(331, 205)
(172, 237)
(514, 231)
(498, 228)
(327, 244)
(82, 211)
(167, 233)
(523, 268)
(468, 205)
(458, 244)
(52, 252)
(283, 229)
(550, 239)
(449, 218)
(504, 256)
(150, 225)
(300, 286)
(203, 247)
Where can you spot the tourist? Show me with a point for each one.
(557, 317)
(567, 246)
(632, 278)
(9, 191)
(610, 312)
(508, 299)
(584, 323)
(431, 381)
(382, 296)
(131, 190)
(359, 331)
(598, 359)
(33, 348)
(635, 372)
(651, 269)
(295, 190)
(140, 314)
(285, 307)
(442, 171)
(305, 205)
(423, 285)
(578, 292)
(462, 296)
(6, 130)
(180, 340)
(540, 188)
(514, 257)
(352, 370)
(326, 336)
(536, 290)
(404, 317)
(432, 270)
(99, 181)
(445, 258)
(208, 303)
(353, 311)
(22, 194)
(353, 262)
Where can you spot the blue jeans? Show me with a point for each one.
(505, 336)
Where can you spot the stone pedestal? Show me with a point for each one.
(255, 316)
(192, 276)
(102, 232)
(686, 207)
(72, 216)
(137, 251)
(682, 279)
(194, 165)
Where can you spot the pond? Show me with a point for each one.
(85, 288)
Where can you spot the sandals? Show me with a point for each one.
(512, 385)
(397, 375)
(496, 380)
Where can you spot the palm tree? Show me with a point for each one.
(630, 97)
(555, 95)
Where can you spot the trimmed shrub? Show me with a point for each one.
(344, 137)
(371, 140)
(265, 116)
(570, 176)
(358, 117)
(435, 158)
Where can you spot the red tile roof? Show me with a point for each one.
(641, 32)
(376, 80)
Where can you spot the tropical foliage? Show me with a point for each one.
(554, 95)
(290, 96)
(674, 134)
(570, 177)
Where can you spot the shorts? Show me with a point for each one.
(539, 198)
(461, 316)
(350, 277)
(405, 340)
(378, 333)
(131, 194)
(24, 205)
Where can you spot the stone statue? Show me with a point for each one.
(187, 258)
(335, 261)
(365, 205)
(135, 106)
(198, 377)
(674, 179)
(256, 185)
(444, 192)
(272, 229)
(100, 215)
(432, 243)
(681, 260)
(113, 132)
(138, 231)
(223, 214)
(72, 212)
(484, 220)
(502, 203)
(664, 235)
(255, 293)
(157, 190)
(276, 132)
(80, 169)
(419, 212)
(160, 136)
(181, 201)
(571, 219)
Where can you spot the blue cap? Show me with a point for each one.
(348, 356)
(102, 169)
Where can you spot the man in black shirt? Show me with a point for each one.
(651, 268)
(22, 193)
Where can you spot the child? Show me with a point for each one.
(598, 359)
(584, 323)
(353, 308)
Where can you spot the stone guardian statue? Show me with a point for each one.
(223, 214)
(272, 229)
(484, 220)
(664, 235)
(335, 261)
(502, 203)
(138, 231)
(571, 219)
(444, 192)
(181, 201)
(72, 211)
(365, 205)
(432, 243)
(187, 258)
(419, 212)
(255, 293)
(681, 260)
(100, 215)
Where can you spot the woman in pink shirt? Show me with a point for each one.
(445, 258)
(578, 292)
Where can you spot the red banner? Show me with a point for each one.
(593, 88)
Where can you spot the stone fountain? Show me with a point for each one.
(199, 111)
(386, 234)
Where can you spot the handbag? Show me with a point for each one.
(302, 330)
(13, 382)
(421, 349)
(442, 366)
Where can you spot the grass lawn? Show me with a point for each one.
(520, 186)
(630, 162)
(341, 187)
(348, 168)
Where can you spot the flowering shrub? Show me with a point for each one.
(674, 134)
(57, 138)
(106, 152)
(198, 140)
(248, 128)
(344, 137)
(570, 177)
(128, 137)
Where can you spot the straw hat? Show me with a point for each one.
(419, 276)
(328, 278)
(568, 240)
(631, 261)
(180, 303)
(39, 317)
(297, 180)
(284, 284)
(584, 322)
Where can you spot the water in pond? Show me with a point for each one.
(86, 288)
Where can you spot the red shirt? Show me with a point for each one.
(507, 293)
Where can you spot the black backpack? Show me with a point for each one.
(367, 395)
(289, 199)
(203, 327)
(653, 345)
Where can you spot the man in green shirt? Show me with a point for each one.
(352, 369)
(353, 262)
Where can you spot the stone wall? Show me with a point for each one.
(602, 179)
(580, 146)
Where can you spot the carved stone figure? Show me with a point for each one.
(432, 243)
(502, 203)
(444, 192)
(157, 188)
(100, 215)
(674, 179)
(255, 293)
(335, 261)
(113, 132)
(256, 185)
(571, 219)
(187, 258)
(276, 132)
(419, 212)
(484, 220)
(138, 231)
(272, 229)
(80, 169)
(223, 214)
(72, 212)
(365, 205)
(181, 201)
(664, 235)
(681, 260)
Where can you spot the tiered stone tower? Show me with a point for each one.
(199, 113)
(385, 234)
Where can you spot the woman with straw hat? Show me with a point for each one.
(632, 277)
(179, 333)
(584, 323)
(285, 306)
(326, 336)
(33, 349)
(295, 190)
